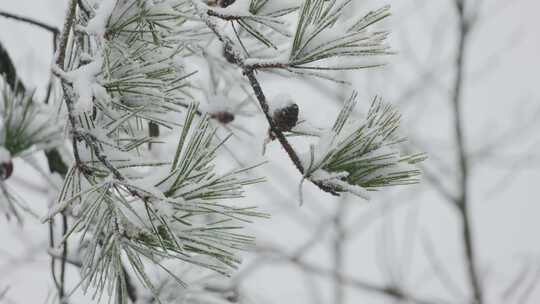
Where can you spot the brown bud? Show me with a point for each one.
(229, 55)
(6, 169)
(223, 117)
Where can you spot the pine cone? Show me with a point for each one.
(6, 165)
(229, 56)
(286, 118)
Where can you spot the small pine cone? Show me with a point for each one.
(286, 118)
(225, 3)
(6, 166)
(6, 169)
(223, 117)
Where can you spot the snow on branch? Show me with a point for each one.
(360, 156)
(125, 206)
(324, 41)
(25, 124)
(128, 73)
(176, 213)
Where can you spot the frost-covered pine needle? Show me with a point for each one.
(358, 156)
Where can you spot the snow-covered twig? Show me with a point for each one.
(232, 51)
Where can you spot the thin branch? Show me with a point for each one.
(63, 260)
(53, 260)
(259, 94)
(70, 19)
(363, 285)
(68, 24)
(439, 268)
(338, 248)
(231, 52)
(69, 260)
(31, 21)
(224, 16)
(53, 30)
(275, 255)
(463, 196)
(531, 286)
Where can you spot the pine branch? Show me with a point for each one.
(60, 61)
(277, 132)
(360, 156)
(19, 114)
(123, 76)
(230, 50)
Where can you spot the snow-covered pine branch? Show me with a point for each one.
(358, 156)
(138, 73)
(323, 39)
(26, 127)
(129, 75)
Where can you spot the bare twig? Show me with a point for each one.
(363, 285)
(275, 255)
(31, 21)
(53, 260)
(53, 30)
(338, 245)
(64, 258)
(439, 268)
(462, 201)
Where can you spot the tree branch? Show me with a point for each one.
(366, 286)
(40, 24)
(338, 246)
(60, 62)
(462, 201)
(231, 51)
(68, 24)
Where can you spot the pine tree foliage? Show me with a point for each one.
(128, 82)
(25, 123)
(319, 36)
(129, 75)
(359, 156)
(181, 217)
(26, 127)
